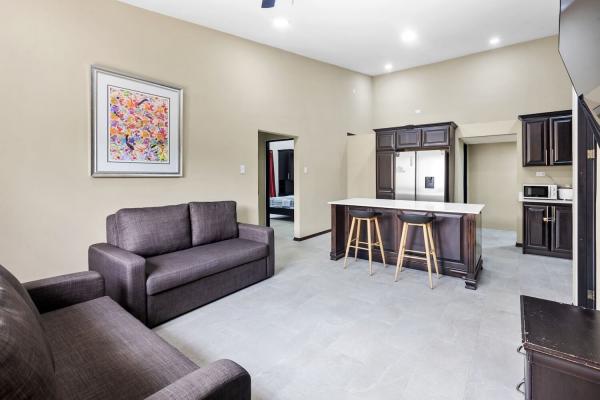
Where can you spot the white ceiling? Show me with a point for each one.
(365, 35)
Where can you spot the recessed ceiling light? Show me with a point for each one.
(281, 23)
(388, 67)
(417, 111)
(495, 40)
(408, 36)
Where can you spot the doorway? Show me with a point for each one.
(492, 180)
(277, 186)
(280, 204)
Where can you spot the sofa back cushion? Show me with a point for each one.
(213, 221)
(111, 230)
(151, 231)
(25, 356)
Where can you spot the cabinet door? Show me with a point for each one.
(408, 138)
(536, 235)
(385, 174)
(535, 142)
(561, 134)
(385, 140)
(436, 136)
(562, 232)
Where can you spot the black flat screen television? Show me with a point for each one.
(579, 47)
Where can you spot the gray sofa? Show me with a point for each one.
(61, 338)
(161, 262)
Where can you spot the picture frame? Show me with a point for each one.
(136, 126)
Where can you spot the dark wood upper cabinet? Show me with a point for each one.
(408, 138)
(436, 136)
(562, 234)
(547, 139)
(561, 136)
(548, 229)
(386, 140)
(535, 142)
(385, 164)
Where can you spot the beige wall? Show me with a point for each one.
(360, 151)
(496, 85)
(492, 180)
(51, 210)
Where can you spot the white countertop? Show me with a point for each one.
(430, 206)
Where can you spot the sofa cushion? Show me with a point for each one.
(213, 221)
(151, 231)
(102, 352)
(25, 357)
(111, 230)
(175, 269)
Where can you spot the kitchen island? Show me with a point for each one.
(456, 233)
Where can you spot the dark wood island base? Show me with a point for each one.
(456, 233)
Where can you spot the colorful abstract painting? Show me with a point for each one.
(138, 126)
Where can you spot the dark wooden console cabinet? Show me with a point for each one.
(548, 229)
(562, 351)
(547, 139)
(410, 138)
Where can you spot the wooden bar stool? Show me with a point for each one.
(369, 217)
(423, 221)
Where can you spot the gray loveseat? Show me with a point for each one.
(161, 262)
(61, 338)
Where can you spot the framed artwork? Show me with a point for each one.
(136, 126)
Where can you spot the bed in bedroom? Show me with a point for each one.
(282, 205)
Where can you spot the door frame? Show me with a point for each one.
(268, 179)
(587, 132)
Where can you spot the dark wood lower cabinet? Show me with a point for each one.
(548, 229)
(561, 346)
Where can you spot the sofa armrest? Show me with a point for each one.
(65, 290)
(262, 234)
(124, 276)
(221, 380)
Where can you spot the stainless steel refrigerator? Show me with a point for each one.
(421, 175)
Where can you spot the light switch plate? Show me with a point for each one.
(242, 169)
(306, 170)
(540, 173)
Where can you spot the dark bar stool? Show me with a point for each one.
(423, 221)
(369, 217)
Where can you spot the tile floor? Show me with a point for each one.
(316, 331)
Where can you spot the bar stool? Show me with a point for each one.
(370, 217)
(423, 221)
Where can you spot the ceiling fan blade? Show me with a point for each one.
(268, 3)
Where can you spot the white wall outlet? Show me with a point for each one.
(306, 170)
(242, 169)
(540, 173)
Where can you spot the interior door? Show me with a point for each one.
(405, 175)
(431, 175)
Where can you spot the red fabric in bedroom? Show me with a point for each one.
(271, 175)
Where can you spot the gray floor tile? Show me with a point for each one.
(317, 331)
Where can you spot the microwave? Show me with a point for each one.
(540, 192)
